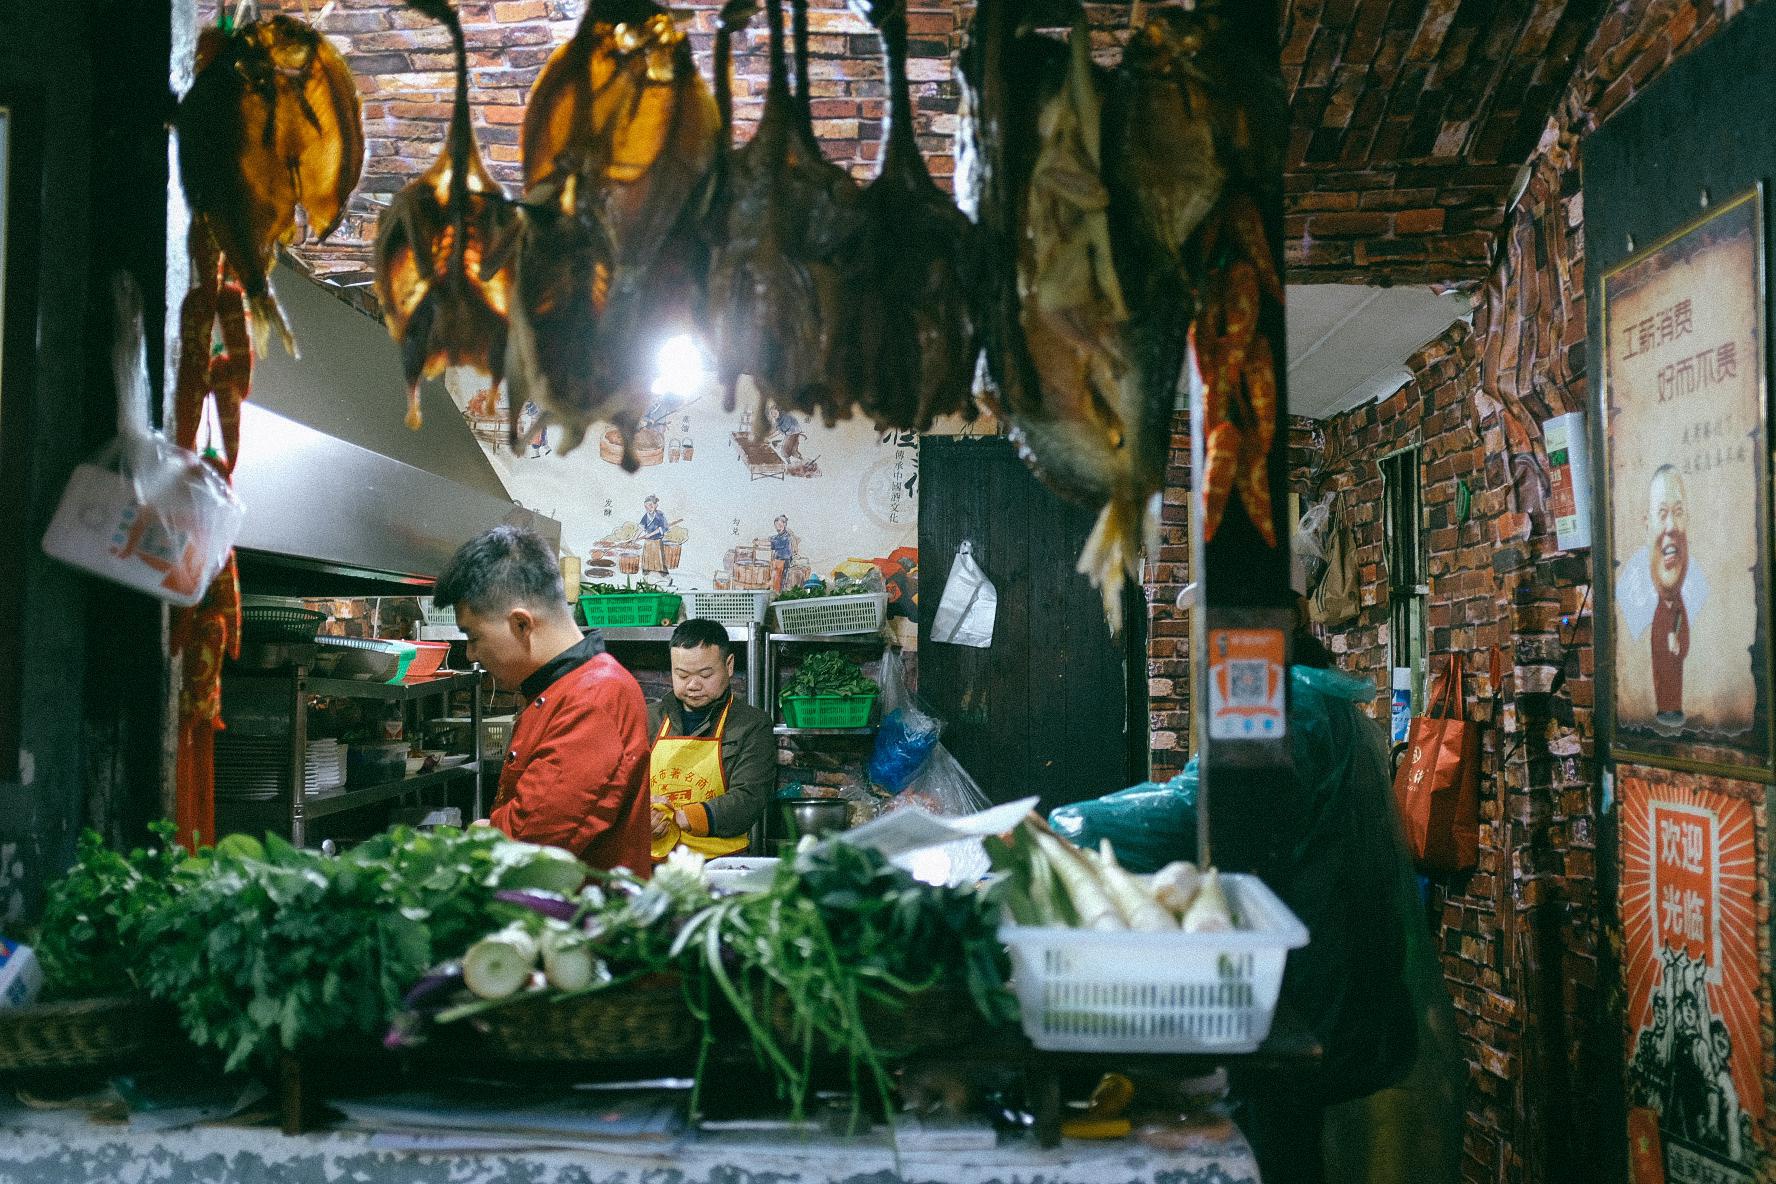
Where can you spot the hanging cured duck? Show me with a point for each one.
(1113, 204)
(271, 122)
(431, 243)
(619, 134)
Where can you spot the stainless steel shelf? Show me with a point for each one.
(874, 638)
(338, 801)
(346, 688)
(786, 730)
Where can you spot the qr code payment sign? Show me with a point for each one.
(1245, 683)
(1246, 675)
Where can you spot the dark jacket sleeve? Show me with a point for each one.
(751, 771)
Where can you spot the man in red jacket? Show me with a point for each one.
(576, 777)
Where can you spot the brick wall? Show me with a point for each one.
(1168, 626)
(402, 63)
(1523, 937)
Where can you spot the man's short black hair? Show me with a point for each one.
(698, 632)
(501, 569)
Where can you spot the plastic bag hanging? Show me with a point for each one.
(969, 606)
(144, 512)
(907, 734)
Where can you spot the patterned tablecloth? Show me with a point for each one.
(66, 1147)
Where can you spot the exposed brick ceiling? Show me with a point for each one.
(1411, 121)
(1412, 118)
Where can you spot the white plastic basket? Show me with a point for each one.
(856, 612)
(729, 608)
(1096, 991)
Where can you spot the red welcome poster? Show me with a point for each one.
(1689, 917)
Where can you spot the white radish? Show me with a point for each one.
(499, 965)
(568, 964)
(1175, 885)
(1080, 879)
(1209, 912)
(1139, 910)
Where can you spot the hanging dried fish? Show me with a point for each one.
(271, 122)
(785, 246)
(619, 134)
(927, 258)
(430, 245)
(1163, 149)
(1095, 252)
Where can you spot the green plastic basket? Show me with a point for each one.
(629, 610)
(828, 711)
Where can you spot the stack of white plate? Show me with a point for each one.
(251, 768)
(326, 766)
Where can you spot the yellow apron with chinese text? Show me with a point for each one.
(687, 770)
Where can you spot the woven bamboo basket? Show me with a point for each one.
(644, 1019)
(80, 1033)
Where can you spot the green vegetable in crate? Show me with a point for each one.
(88, 942)
(809, 591)
(829, 673)
(640, 587)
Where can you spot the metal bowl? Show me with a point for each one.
(818, 817)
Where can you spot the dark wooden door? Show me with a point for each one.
(1050, 708)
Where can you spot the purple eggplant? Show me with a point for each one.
(549, 904)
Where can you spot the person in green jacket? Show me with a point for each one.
(1383, 1104)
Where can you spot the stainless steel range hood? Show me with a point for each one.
(327, 505)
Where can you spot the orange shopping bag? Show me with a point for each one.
(1438, 786)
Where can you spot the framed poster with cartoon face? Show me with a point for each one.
(1685, 570)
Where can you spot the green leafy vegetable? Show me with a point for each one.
(802, 592)
(270, 948)
(829, 672)
(840, 930)
(88, 940)
(643, 587)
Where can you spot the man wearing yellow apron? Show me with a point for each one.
(714, 766)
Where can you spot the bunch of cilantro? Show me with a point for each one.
(267, 947)
(88, 940)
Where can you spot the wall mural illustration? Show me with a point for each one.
(744, 500)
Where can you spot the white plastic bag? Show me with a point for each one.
(969, 606)
(1308, 547)
(144, 512)
(945, 789)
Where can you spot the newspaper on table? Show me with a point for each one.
(904, 832)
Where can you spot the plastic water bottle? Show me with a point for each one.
(1402, 712)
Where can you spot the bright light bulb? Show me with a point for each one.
(681, 368)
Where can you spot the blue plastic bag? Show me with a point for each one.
(906, 736)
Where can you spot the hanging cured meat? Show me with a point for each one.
(1107, 201)
(560, 281)
(926, 251)
(271, 122)
(789, 234)
(1238, 108)
(619, 134)
(430, 245)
